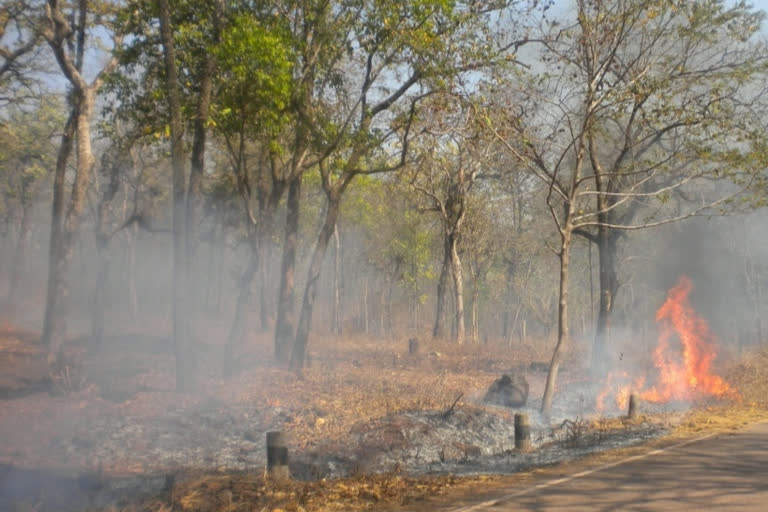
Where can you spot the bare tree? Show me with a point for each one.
(67, 40)
(445, 178)
(482, 244)
(20, 37)
(642, 71)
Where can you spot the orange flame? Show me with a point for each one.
(686, 379)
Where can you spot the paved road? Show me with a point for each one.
(727, 472)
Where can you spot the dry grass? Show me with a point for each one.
(240, 493)
(334, 395)
(749, 376)
(352, 381)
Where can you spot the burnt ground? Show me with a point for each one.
(112, 429)
(716, 471)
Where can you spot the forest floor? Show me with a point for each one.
(369, 426)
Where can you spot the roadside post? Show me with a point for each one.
(522, 432)
(277, 456)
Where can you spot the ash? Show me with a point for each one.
(471, 438)
(478, 439)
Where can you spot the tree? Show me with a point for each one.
(176, 66)
(20, 38)
(27, 151)
(446, 178)
(182, 342)
(399, 249)
(118, 164)
(482, 242)
(204, 69)
(702, 109)
(252, 107)
(671, 81)
(59, 31)
(361, 122)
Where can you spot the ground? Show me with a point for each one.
(369, 426)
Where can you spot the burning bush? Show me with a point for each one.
(683, 375)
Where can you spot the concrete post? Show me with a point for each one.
(632, 412)
(522, 432)
(277, 456)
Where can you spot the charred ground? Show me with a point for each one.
(369, 426)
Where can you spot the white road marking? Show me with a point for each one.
(558, 481)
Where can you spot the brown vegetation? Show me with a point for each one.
(352, 386)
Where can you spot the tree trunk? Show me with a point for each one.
(382, 306)
(53, 313)
(286, 320)
(258, 238)
(103, 235)
(412, 310)
(220, 265)
(365, 305)
(475, 320)
(19, 265)
(313, 276)
(609, 285)
(263, 286)
(184, 352)
(505, 326)
(99, 295)
(194, 191)
(210, 273)
(8, 238)
(438, 331)
(759, 308)
(458, 288)
(752, 279)
(102, 273)
(130, 271)
(242, 308)
(54, 332)
(759, 319)
(562, 322)
(336, 317)
(391, 287)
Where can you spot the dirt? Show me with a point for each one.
(365, 410)
(23, 364)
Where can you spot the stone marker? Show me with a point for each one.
(522, 432)
(277, 456)
(632, 412)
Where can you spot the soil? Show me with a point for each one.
(365, 423)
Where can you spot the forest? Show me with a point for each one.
(251, 185)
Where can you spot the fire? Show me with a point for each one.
(682, 375)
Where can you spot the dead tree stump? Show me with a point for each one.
(277, 456)
(632, 412)
(522, 432)
(413, 346)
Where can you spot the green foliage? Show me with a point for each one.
(255, 61)
(28, 141)
(398, 239)
(138, 86)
